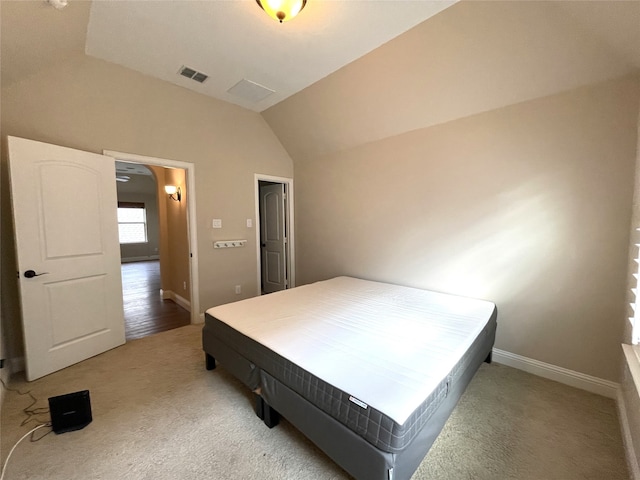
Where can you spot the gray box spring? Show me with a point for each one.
(385, 441)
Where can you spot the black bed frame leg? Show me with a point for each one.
(210, 362)
(271, 417)
(259, 407)
(488, 359)
(267, 414)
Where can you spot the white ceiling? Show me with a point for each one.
(126, 168)
(234, 40)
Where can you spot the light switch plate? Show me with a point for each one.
(249, 223)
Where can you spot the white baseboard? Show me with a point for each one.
(563, 375)
(183, 302)
(171, 295)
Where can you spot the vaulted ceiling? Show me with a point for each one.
(230, 41)
(343, 72)
(235, 41)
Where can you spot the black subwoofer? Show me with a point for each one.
(70, 412)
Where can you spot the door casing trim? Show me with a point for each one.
(258, 177)
(191, 217)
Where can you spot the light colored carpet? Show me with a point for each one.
(158, 414)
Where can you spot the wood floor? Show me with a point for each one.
(145, 312)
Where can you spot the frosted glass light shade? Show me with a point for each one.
(170, 189)
(282, 10)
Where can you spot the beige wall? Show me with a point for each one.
(482, 153)
(524, 204)
(527, 205)
(177, 254)
(165, 267)
(92, 105)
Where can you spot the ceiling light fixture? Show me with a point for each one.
(282, 10)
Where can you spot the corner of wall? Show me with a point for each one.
(5, 374)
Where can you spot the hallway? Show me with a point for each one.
(145, 312)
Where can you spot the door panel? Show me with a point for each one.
(61, 214)
(79, 294)
(274, 272)
(64, 206)
(273, 238)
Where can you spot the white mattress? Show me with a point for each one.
(389, 346)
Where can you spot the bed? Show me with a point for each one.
(368, 371)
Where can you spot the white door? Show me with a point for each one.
(273, 238)
(64, 208)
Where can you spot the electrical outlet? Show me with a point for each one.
(184, 285)
(238, 289)
(217, 223)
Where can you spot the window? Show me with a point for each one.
(632, 332)
(634, 283)
(132, 222)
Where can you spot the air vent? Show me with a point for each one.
(193, 74)
(251, 91)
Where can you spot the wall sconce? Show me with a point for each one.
(282, 10)
(57, 4)
(173, 190)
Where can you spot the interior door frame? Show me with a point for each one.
(191, 217)
(288, 212)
